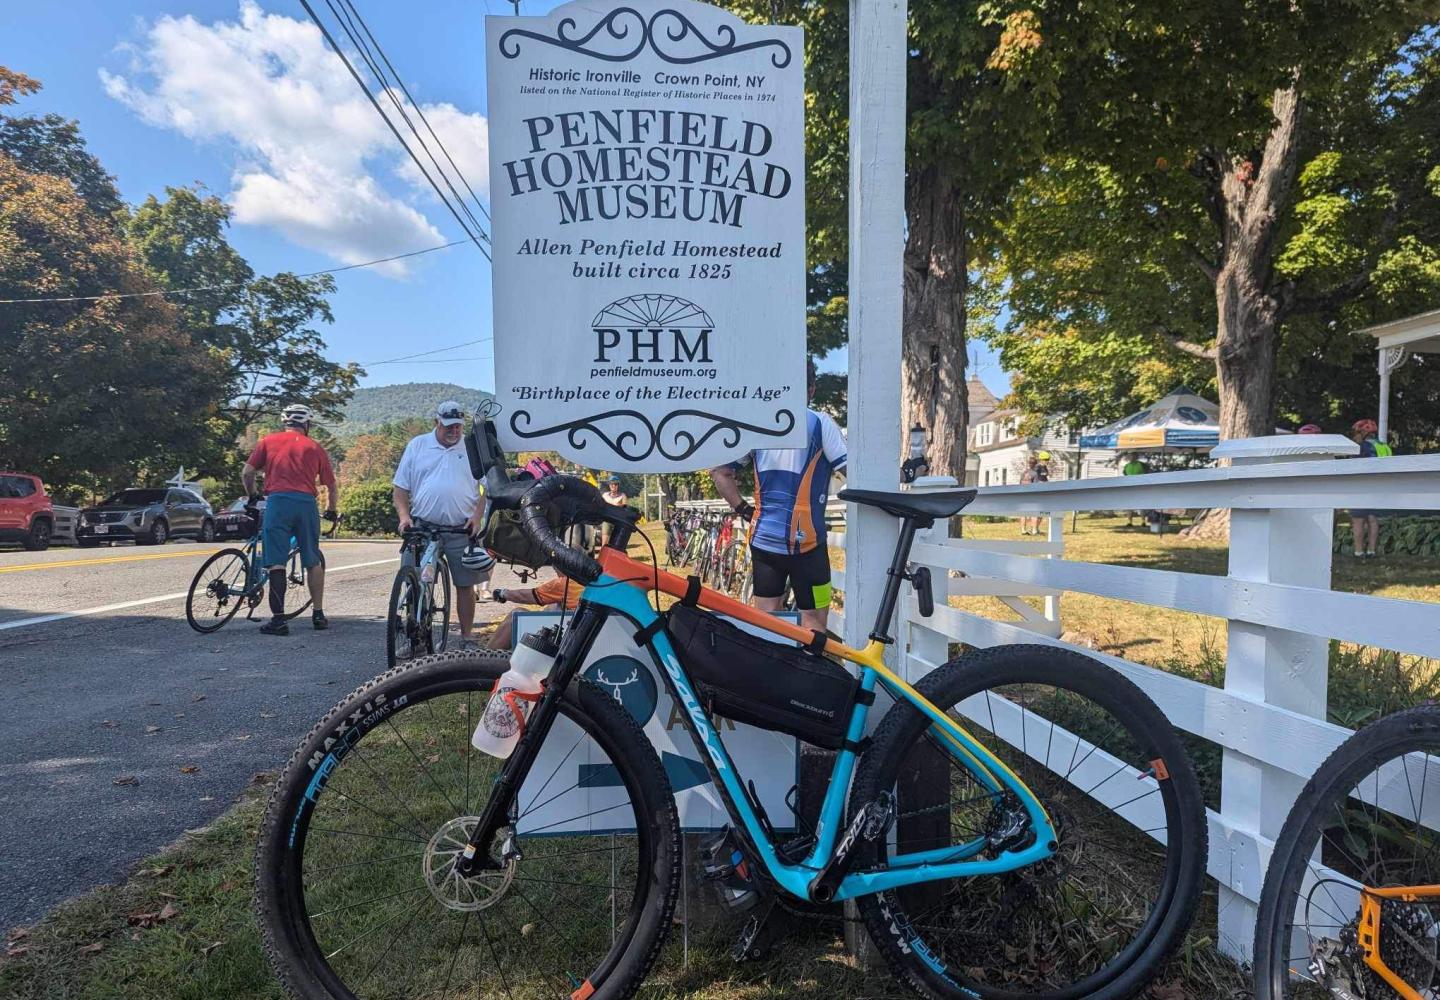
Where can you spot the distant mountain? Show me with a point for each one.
(382, 404)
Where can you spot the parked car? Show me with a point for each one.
(233, 522)
(146, 517)
(26, 514)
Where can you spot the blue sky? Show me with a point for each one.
(238, 96)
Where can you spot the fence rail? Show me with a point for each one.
(1276, 600)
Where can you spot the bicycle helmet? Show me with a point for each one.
(1365, 426)
(475, 557)
(296, 415)
(1310, 429)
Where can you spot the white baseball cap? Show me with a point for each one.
(449, 413)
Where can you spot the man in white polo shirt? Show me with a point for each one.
(433, 487)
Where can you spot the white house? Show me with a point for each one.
(1000, 451)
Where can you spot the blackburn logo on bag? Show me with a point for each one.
(629, 682)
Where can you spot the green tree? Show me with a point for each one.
(1252, 247)
(264, 328)
(53, 145)
(96, 392)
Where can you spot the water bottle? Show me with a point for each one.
(516, 692)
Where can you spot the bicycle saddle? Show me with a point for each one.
(943, 504)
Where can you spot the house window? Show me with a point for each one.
(984, 434)
(1008, 429)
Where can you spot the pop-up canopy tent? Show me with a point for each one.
(1179, 421)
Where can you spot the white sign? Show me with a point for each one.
(647, 184)
(577, 789)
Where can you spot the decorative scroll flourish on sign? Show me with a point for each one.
(635, 444)
(666, 41)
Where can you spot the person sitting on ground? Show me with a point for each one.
(1365, 524)
(292, 464)
(433, 488)
(551, 594)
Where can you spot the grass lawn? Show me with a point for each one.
(1163, 637)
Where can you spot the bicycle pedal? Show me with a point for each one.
(753, 944)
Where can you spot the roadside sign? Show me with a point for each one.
(647, 184)
(577, 785)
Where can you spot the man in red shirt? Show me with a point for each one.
(292, 464)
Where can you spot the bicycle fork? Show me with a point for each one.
(584, 627)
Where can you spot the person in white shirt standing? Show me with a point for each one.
(433, 487)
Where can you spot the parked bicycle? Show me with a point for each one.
(1054, 847)
(418, 621)
(1351, 902)
(235, 577)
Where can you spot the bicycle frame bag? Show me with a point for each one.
(767, 684)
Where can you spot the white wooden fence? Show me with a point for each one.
(1276, 598)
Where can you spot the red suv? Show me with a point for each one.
(26, 514)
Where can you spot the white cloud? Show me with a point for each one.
(311, 151)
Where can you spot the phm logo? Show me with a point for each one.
(652, 329)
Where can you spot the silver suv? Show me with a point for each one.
(146, 517)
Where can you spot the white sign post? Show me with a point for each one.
(647, 182)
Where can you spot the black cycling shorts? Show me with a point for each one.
(807, 574)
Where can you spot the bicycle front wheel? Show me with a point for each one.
(1358, 829)
(217, 591)
(403, 637)
(1096, 918)
(355, 888)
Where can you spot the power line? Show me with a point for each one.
(335, 47)
(418, 110)
(353, 33)
(444, 361)
(423, 354)
(227, 284)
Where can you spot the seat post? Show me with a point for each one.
(895, 575)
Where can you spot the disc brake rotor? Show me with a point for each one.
(478, 891)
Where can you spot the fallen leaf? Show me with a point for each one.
(1167, 991)
(267, 715)
(156, 872)
(189, 769)
(16, 950)
(227, 886)
(90, 949)
(527, 930)
(151, 729)
(242, 736)
(433, 758)
(134, 935)
(126, 779)
(205, 951)
(262, 778)
(198, 697)
(168, 912)
(109, 723)
(462, 709)
(167, 895)
(19, 934)
(179, 715)
(197, 830)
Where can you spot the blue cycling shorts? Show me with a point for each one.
(287, 516)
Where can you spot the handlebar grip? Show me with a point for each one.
(583, 498)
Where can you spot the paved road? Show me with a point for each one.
(95, 651)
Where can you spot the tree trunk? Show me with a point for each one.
(1249, 308)
(932, 365)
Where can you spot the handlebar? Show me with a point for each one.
(584, 503)
(334, 523)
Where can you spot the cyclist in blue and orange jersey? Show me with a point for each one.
(787, 519)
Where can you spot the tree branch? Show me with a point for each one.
(1186, 346)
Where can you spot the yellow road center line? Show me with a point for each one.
(106, 559)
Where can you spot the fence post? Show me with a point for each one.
(1273, 665)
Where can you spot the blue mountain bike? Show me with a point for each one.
(1023, 822)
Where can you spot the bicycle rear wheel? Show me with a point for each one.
(355, 890)
(1361, 823)
(217, 591)
(1095, 919)
(295, 578)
